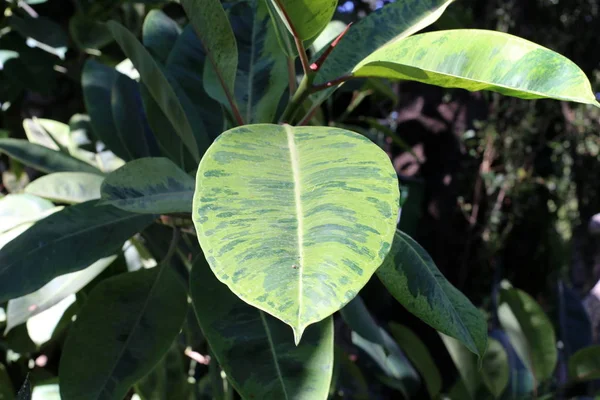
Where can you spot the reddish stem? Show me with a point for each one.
(317, 64)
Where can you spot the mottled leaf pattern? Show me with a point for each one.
(307, 17)
(481, 60)
(42, 158)
(257, 351)
(67, 187)
(149, 186)
(126, 326)
(289, 228)
(412, 278)
(64, 242)
(262, 74)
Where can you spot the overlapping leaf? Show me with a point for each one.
(256, 351)
(126, 326)
(306, 18)
(289, 228)
(64, 242)
(159, 34)
(16, 209)
(412, 278)
(480, 60)
(67, 187)
(149, 186)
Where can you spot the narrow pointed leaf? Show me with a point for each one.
(262, 74)
(16, 209)
(67, 187)
(530, 331)
(212, 27)
(419, 356)
(157, 83)
(289, 228)
(392, 22)
(64, 242)
(307, 17)
(126, 326)
(256, 351)
(159, 34)
(36, 133)
(19, 310)
(585, 364)
(412, 278)
(149, 186)
(481, 60)
(42, 158)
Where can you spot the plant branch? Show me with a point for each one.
(296, 102)
(291, 75)
(331, 83)
(317, 64)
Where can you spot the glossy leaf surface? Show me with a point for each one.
(585, 364)
(412, 278)
(149, 186)
(67, 187)
(64, 242)
(126, 326)
(42, 158)
(159, 34)
(19, 310)
(16, 209)
(257, 351)
(530, 331)
(289, 228)
(307, 17)
(480, 60)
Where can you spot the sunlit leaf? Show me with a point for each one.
(16, 209)
(257, 351)
(126, 326)
(307, 18)
(67, 187)
(289, 228)
(412, 278)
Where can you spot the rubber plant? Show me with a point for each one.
(292, 219)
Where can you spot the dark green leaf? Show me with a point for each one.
(257, 351)
(585, 364)
(307, 17)
(17, 209)
(124, 329)
(64, 242)
(466, 364)
(495, 371)
(25, 391)
(42, 158)
(360, 320)
(159, 34)
(412, 278)
(42, 30)
(6, 388)
(88, 33)
(149, 186)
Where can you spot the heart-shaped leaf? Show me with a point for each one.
(412, 278)
(149, 186)
(67, 187)
(126, 326)
(289, 228)
(480, 60)
(240, 335)
(64, 242)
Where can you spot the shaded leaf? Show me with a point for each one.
(290, 229)
(212, 27)
(16, 209)
(149, 185)
(284, 37)
(67, 187)
(25, 390)
(480, 60)
(158, 85)
(530, 331)
(42, 30)
(466, 364)
(126, 326)
(585, 364)
(159, 34)
(19, 310)
(6, 387)
(360, 320)
(256, 351)
(307, 17)
(419, 356)
(64, 242)
(412, 278)
(42, 158)
(88, 33)
(495, 370)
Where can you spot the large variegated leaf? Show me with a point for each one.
(530, 331)
(256, 351)
(480, 60)
(262, 74)
(126, 326)
(210, 22)
(295, 220)
(42, 158)
(307, 17)
(64, 242)
(412, 278)
(67, 187)
(149, 186)
(392, 22)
